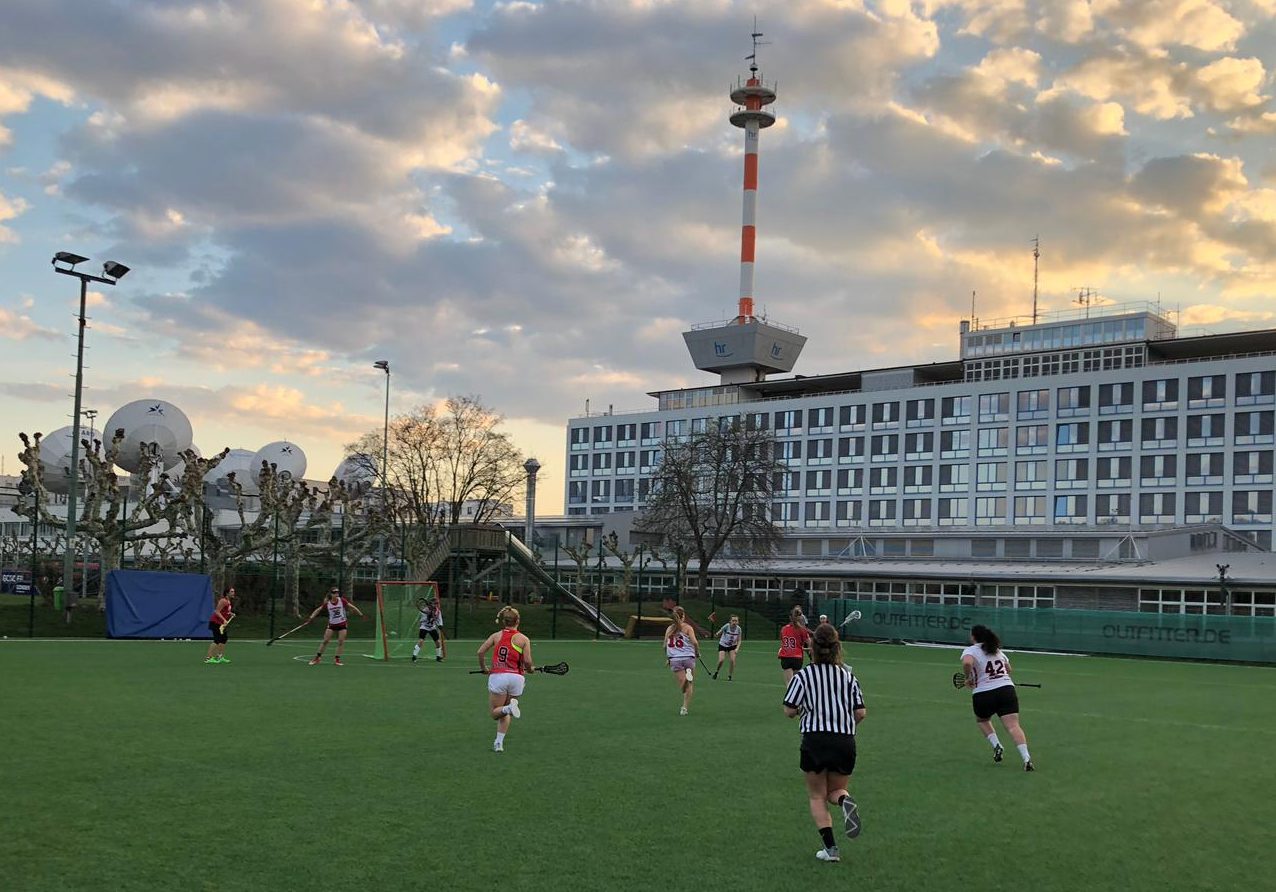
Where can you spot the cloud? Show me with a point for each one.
(10, 208)
(20, 327)
(1156, 24)
(1231, 84)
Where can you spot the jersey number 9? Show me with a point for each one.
(503, 655)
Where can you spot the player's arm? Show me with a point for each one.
(352, 606)
(484, 648)
(528, 665)
(314, 613)
(968, 666)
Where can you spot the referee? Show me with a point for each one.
(827, 698)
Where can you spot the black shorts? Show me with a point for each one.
(726, 648)
(827, 751)
(433, 633)
(794, 663)
(998, 701)
(339, 627)
(219, 637)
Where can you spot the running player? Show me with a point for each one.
(336, 606)
(682, 650)
(987, 671)
(795, 642)
(729, 637)
(222, 614)
(511, 657)
(432, 625)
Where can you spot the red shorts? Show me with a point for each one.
(339, 627)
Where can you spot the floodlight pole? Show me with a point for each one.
(384, 365)
(68, 555)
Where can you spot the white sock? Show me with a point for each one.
(1023, 752)
(416, 650)
(500, 737)
(438, 651)
(992, 739)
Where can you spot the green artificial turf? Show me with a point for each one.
(132, 765)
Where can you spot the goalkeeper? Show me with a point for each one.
(431, 623)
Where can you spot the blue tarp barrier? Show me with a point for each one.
(146, 604)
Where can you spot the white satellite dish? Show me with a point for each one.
(356, 470)
(288, 459)
(55, 458)
(149, 421)
(241, 462)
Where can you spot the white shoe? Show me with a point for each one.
(829, 854)
(689, 678)
(682, 711)
(514, 710)
(498, 747)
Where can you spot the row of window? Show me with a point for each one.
(1044, 365)
(1202, 392)
(1207, 601)
(1047, 337)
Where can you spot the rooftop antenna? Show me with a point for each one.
(752, 58)
(972, 309)
(1036, 258)
(1086, 297)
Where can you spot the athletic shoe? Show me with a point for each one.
(688, 676)
(729, 678)
(829, 854)
(682, 711)
(1028, 766)
(438, 659)
(996, 752)
(514, 710)
(211, 660)
(222, 660)
(715, 676)
(414, 658)
(337, 661)
(315, 661)
(851, 812)
(498, 747)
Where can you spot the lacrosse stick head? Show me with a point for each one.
(959, 680)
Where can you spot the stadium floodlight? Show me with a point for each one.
(65, 262)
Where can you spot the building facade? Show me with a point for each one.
(1072, 423)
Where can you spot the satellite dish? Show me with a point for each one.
(55, 458)
(149, 421)
(288, 459)
(356, 470)
(241, 462)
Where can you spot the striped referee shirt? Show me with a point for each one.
(826, 697)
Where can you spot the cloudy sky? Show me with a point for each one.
(529, 200)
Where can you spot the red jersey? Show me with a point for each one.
(792, 641)
(507, 657)
(222, 613)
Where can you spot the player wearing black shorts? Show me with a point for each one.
(827, 698)
(987, 671)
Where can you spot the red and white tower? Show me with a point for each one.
(746, 349)
(751, 98)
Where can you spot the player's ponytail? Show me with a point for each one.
(795, 616)
(986, 638)
(679, 617)
(825, 646)
(507, 616)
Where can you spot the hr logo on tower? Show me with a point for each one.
(720, 349)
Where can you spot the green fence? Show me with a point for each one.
(1241, 639)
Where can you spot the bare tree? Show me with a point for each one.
(612, 543)
(713, 492)
(446, 465)
(581, 553)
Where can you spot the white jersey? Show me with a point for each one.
(727, 637)
(679, 645)
(991, 671)
(336, 612)
(431, 620)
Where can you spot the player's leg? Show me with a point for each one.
(721, 655)
(438, 647)
(1013, 728)
(684, 685)
(990, 735)
(341, 644)
(731, 657)
(327, 636)
(222, 638)
(416, 648)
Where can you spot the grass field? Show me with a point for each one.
(132, 765)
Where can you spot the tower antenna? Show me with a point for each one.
(1036, 258)
(752, 58)
(751, 114)
(972, 309)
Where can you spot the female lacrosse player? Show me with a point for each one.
(795, 641)
(431, 624)
(988, 675)
(336, 606)
(222, 614)
(682, 650)
(827, 696)
(511, 657)
(729, 637)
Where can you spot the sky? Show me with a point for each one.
(528, 201)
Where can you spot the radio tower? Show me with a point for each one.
(751, 97)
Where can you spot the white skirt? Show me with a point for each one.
(508, 683)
